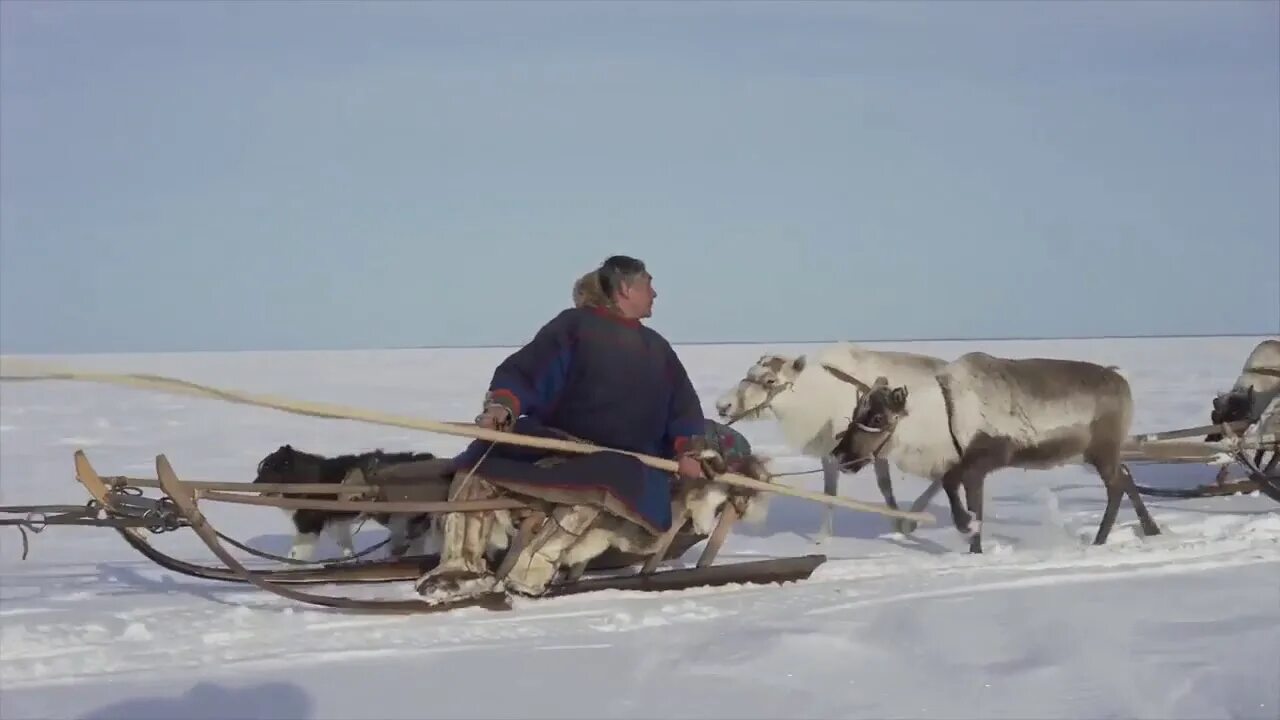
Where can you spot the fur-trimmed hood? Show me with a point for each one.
(588, 293)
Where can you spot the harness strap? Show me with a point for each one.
(770, 394)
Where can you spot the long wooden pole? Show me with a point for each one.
(16, 370)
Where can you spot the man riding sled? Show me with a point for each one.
(592, 374)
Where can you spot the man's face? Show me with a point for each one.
(635, 300)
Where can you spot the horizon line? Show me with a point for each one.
(492, 346)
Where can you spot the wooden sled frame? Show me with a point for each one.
(1179, 447)
(182, 498)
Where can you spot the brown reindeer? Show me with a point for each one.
(1034, 413)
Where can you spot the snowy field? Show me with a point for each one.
(1185, 625)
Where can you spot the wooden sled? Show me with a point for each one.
(1176, 447)
(179, 508)
(116, 495)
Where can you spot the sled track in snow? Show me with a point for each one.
(195, 624)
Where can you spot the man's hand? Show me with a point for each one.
(690, 468)
(494, 417)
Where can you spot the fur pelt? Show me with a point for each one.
(588, 293)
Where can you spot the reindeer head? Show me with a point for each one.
(1230, 407)
(751, 398)
(873, 422)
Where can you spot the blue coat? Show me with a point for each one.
(603, 378)
(606, 380)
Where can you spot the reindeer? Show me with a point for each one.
(1256, 388)
(812, 406)
(992, 413)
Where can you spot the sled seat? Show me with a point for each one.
(430, 480)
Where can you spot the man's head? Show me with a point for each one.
(628, 285)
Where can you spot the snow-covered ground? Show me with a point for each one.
(1185, 625)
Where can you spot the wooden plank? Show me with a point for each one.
(679, 516)
(408, 506)
(728, 517)
(757, 572)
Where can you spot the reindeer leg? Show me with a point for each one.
(884, 481)
(974, 482)
(951, 484)
(983, 456)
(1148, 523)
(923, 501)
(831, 487)
(1109, 471)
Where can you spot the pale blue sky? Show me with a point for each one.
(179, 175)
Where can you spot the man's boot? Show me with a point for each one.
(537, 564)
(463, 571)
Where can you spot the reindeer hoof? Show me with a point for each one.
(971, 529)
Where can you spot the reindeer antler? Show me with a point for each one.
(848, 378)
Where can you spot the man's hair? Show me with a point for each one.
(618, 270)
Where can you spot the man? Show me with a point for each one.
(596, 374)
(628, 391)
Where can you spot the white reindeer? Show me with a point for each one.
(990, 413)
(812, 406)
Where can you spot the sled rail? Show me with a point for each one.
(388, 506)
(1139, 439)
(256, 488)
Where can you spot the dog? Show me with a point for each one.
(288, 465)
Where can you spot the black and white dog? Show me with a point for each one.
(288, 465)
